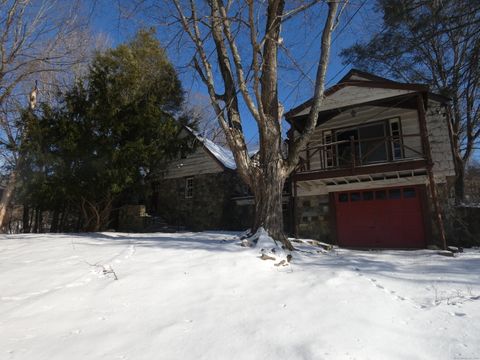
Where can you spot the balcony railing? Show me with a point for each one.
(354, 153)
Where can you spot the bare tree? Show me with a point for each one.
(214, 27)
(197, 107)
(437, 43)
(38, 40)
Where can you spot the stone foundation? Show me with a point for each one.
(131, 218)
(313, 217)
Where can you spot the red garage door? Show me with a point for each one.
(382, 218)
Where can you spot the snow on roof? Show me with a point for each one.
(225, 156)
(222, 154)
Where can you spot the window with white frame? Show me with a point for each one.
(329, 153)
(396, 139)
(189, 188)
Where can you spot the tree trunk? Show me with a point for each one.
(268, 189)
(63, 218)
(55, 220)
(26, 218)
(35, 221)
(7, 198)
(37, 227)
(459, 181)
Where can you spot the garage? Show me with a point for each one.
(380, 218)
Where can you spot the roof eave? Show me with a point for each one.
(388, 85)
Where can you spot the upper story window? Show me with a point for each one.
(189, 188)
(396, 143)
(365, 144)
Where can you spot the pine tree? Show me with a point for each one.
(113, 131)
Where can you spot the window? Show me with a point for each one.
(396, 145)
(409, 193)
(380, 195)
(368, 195)
(189, 188)
(355, 196)
(346, 153)
(369, 144)
(343, 197)
(373, 144)
(329, 152)
(394, 194)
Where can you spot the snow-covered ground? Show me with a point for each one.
(202, 296)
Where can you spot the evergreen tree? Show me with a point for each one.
(112, 135)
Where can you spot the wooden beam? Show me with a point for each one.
(433, 186)
(363, 170)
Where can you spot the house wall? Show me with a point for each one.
(349, 96)
(313, 216)
(211, 206)
(440, 143)
(198, 162)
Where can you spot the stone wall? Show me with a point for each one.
(464, 227)
(210, 208)
(313, 217)
(131, 218)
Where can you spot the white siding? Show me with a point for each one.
(354, 95)
(440, 143)
(199, 162)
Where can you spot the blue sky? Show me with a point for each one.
(301, 35)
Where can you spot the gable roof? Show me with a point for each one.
(346, 92)
(358, 75)
(222, 155)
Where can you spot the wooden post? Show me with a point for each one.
(294, 210)
(352, 150)
(431, 178)
(308, 156)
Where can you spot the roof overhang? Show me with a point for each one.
(351, 93)
(361, 88)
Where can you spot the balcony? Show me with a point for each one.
(354, 156)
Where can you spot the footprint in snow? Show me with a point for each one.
(374, 281)
(459, 314)
(394, 294)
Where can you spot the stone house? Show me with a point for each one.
(202, 190)
(366, 179)
(380, 154)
